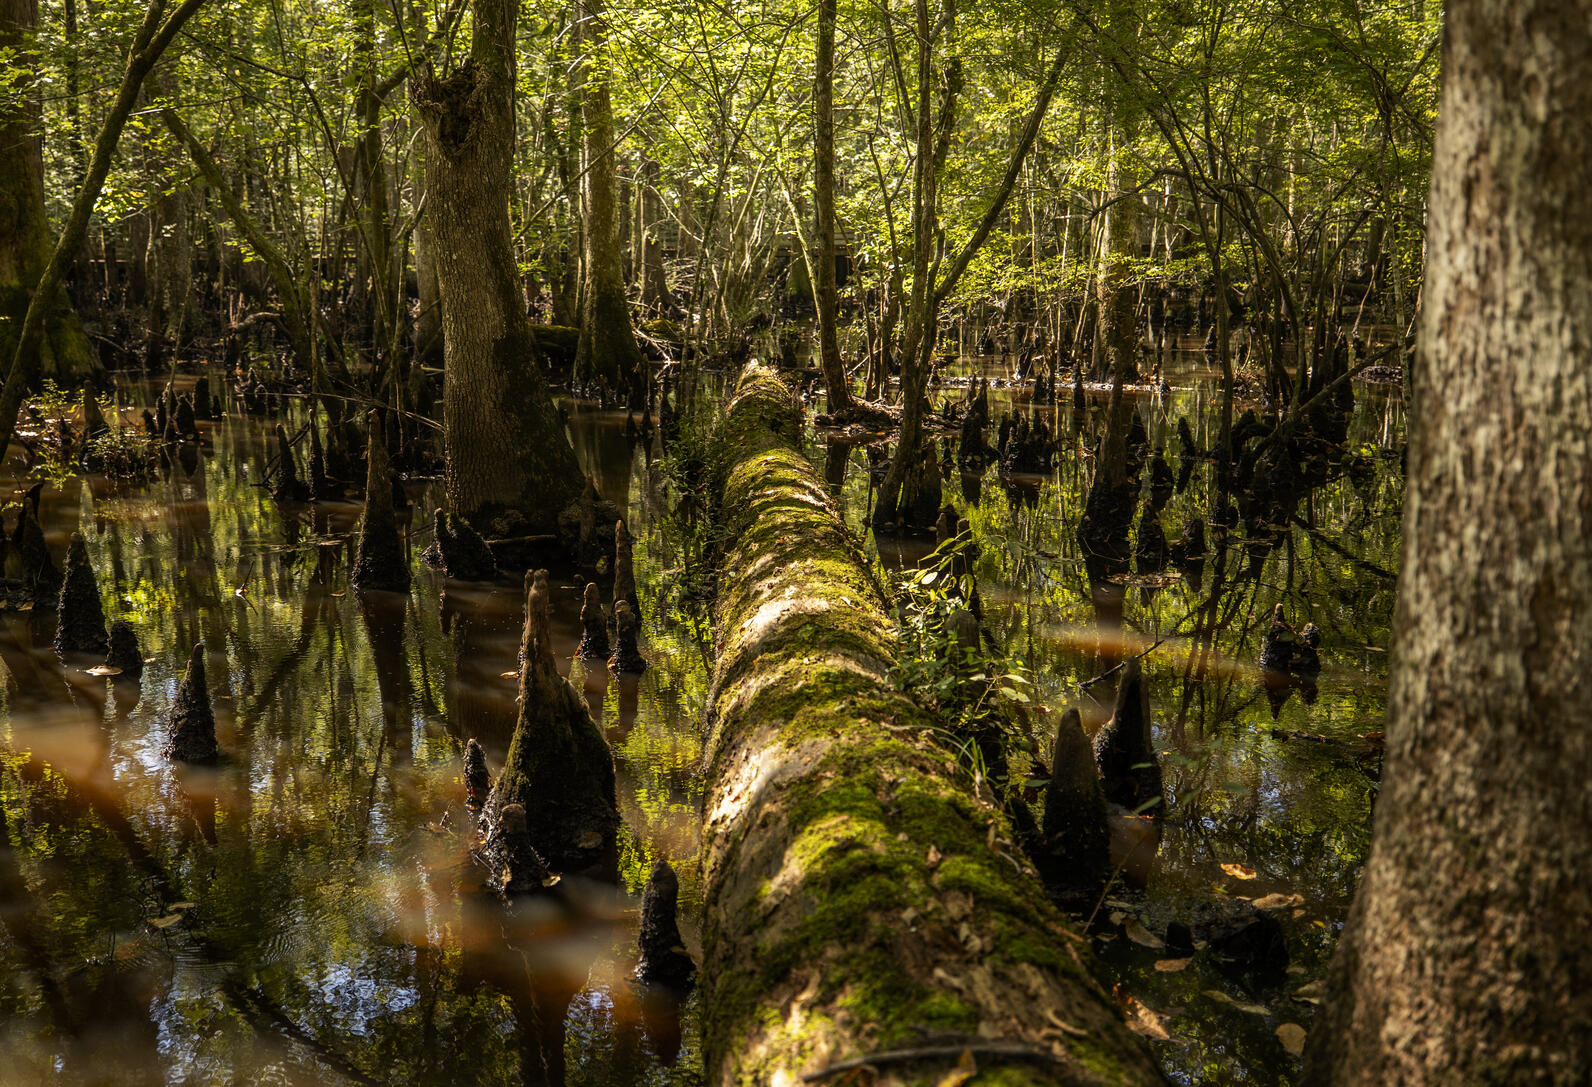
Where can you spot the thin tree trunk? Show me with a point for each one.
(838, 392)
(1464, 960)
(25, 237)
(608, 360)
(149, 43)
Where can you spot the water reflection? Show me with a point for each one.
(1274, 775)
(309, 911)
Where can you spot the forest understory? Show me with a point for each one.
(642, 543)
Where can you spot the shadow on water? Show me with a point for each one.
(310, 910)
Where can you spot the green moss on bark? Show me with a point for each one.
(857, 897)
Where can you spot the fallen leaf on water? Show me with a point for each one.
(1292, 1037)
(343, 593)
(1277, 901)
(1141, 935)
(507, 675)
(1144, 1020)
(965, 1069)
(1239, 871)
(1172, 966)
(1311, 993)
(1116, 917)
(103, 670)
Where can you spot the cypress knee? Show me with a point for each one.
(38, 569)
(80, 620)
(124, 652)
(1124, 750)
(593, 626)
(664, 959)
(1075, 842)
(184, 418)
(477, 782)
(191, 728)
(517, 866)
(624, 571)
(94, 424)
(466, 555)
(559, 766)
(379, 563)
(626, 658)
(202, 407)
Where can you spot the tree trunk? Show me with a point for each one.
(25, 237)
(836, 389)
(855, 893)
(1464, 960)
(607, 358)
(510, 468)
(905, 495)
(148, 44)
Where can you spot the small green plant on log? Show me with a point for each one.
(693, 530)
(979, 695)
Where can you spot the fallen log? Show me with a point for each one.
(860, 900)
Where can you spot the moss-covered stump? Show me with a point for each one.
(859, 899)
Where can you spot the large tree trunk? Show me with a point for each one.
(607, 358)
(510, 467)
(25, 237)
(1464, 960)
(855, 892)
(835, 386)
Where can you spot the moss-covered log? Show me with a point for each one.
(860, 900)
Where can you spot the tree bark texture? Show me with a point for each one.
(151, 40)
(607, 359)
(510, 468)
(856, 894)
(1467, 958)
(835, 385)
(25, 237)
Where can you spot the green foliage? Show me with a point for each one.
(979, 695)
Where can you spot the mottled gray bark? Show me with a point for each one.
(509, 465)
(1465, 959)
(607, 359)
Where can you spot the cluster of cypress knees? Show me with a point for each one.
(553, 807)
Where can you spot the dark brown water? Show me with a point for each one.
(1284, 793)
(308, 911)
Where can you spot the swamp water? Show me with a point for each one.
(305, 913)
